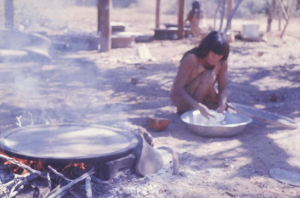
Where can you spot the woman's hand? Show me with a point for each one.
(204, 111)
(221, 108)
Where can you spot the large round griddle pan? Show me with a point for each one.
(66, 142)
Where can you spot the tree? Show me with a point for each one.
(231, 15)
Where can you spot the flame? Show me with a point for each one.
(40, 164)
(82, 166)
(37, 165)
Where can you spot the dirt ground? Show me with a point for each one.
(97, 88)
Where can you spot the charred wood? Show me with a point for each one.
(59, 174)
(88, 187)
(61, 191)
(23, 166)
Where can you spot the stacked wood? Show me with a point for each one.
(19, 182)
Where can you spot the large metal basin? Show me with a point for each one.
(234, 124)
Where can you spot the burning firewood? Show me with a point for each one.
(19, 182)
(20, 185)
(88, 187)
(69, 185)
(49, 185)
(23, 166)
(100, 181)
(59, 174)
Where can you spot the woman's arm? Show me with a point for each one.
(222, 87)
(189, 17)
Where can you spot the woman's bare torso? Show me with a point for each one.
(198, 69)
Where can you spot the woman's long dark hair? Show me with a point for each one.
(214, 41)
(196, 8)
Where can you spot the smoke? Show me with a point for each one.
(26, 87)
(64, 89)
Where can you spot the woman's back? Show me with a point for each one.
(195, 17)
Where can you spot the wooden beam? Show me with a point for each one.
(229, 8)
(216, 13)
(232, 14)
(222, 14)
(180, 19)
(271, 14)
(285, 16)
(9, 14)
(105, 39)
(279, 16)
(157, 14)
(99, 16)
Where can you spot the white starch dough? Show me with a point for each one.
(217, 120)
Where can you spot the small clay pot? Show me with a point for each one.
(157, 124)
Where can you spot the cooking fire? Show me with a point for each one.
(62, 155)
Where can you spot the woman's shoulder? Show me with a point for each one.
(189, 58)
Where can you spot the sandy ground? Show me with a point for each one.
(92, 87)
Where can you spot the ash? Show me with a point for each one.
(128, 184)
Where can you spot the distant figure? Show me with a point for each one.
(196, 19)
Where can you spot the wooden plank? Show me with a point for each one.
(99, 15)
(144, 53)
(105, 39)
(9, 14)
(180, 19)
(237, 4)
(157, 14)
(271, 14)
(264, 116)
(229, 8)
(216, 13)
(279, 16)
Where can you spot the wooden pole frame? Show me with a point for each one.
(271, 15)
(180, 31)
(279, 12)
(216, 13)
(157, 14)
(285, 16)
(229, 8)
(232, 14)
(105, 39)
(222, 14)
(99, 16)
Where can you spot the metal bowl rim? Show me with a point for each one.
(220, 126)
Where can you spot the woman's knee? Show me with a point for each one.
(208, 77)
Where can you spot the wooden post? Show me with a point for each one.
(180, 19)
(222, 14)
(232, 14)
(9, 14)
(216, 13)
(285, 16)
(229, 8)
(271, 13)
(279, 16)
(99, 16)
(157, 14)
(105, 39)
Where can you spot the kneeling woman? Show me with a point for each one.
(199, 70)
